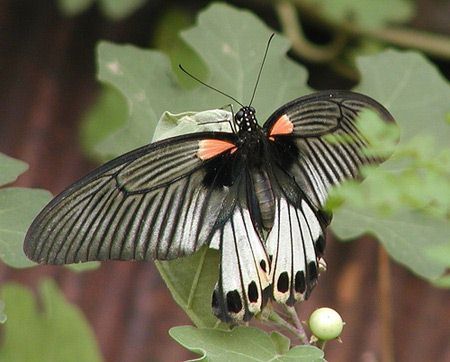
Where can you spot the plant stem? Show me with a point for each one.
(290, 23)
(385, 308)
(276, 319)
(435, 44)
(297, 323)
(321, 344)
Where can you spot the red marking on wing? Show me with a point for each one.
(212, 147)
(281, 126)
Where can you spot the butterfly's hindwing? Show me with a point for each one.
(291, 245)
(243, 286)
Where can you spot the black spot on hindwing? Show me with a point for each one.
(263, 265)
(300, 284)
(252, 292)
(320, 245)
(283, 282)
(234, 302)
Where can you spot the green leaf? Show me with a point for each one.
(168, 40)
(366, 13)
(442, 282)
(191, 281)
(10, 169)
(18, 207)
(82, 267)
(281, 342)
(233, 68)
(74, 7)
(239, 344)
(406, 235)
(53, 330)
(114, 9)
(412, 89)
(110, 107)
(416, 94)
(441, 255)
(118, 9)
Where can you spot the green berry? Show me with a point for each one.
(326, 324)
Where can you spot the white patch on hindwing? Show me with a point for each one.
(290, 243)
(242, 253)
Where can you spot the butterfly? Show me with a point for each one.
(255, 194)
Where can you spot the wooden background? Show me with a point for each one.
(47, 82)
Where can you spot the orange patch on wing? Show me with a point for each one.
(281, 126)
(212, 147)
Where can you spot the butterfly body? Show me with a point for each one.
(255, 194)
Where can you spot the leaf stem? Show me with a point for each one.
(321, 344)
(292, 312)
(275, 318)
(385, 308)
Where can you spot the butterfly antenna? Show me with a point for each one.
(209, 86)
(261, 68)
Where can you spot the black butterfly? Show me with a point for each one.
(255, 194)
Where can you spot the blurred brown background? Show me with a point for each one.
(47, 82)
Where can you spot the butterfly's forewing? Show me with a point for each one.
(305, 167)
(315, 163)
(149, 203)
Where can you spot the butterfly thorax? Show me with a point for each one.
(250, 135)
(246, 121)
(252, 151)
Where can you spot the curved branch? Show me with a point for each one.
(434, 44)
(290, 23)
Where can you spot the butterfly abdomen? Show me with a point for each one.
(265, 198)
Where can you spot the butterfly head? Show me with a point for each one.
(245, 119)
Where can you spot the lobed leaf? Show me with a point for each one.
(241, 344)
(419, 99)
(18, 207)
(10, 169)
(53, 330)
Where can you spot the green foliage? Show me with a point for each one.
(405, 82)
(367, 13)
(220, 45)
(10, 169)
(113, 9)
(54, 330)
(411, 188)
(191, 281)
(441, 256)
(110, 106)
(242, 344)
(18, 207)
(167, 39)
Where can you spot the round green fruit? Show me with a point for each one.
(326, 324)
